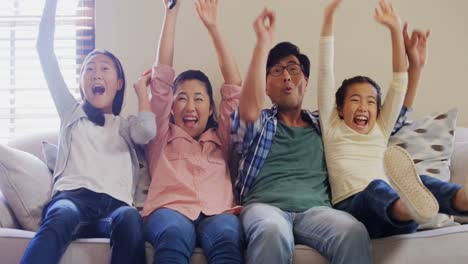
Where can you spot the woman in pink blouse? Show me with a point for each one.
(190, 200)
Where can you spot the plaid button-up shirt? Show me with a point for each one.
(252, 141)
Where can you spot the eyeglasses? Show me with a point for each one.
(292, 68)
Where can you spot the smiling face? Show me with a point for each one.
(360, 108)
(287, 89)
(99, 82)
(192, 107)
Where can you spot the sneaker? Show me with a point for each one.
(400, 169)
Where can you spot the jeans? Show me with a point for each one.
(372, 206)
(272, 233)
(174, 237)
(82, 213)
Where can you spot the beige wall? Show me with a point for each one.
(131, 30)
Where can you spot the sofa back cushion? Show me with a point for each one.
(26, 184)
(7, 220)
(429, 140)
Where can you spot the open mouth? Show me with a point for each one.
(190, 121)
(287, 90)
(98, 89)
(361, 120)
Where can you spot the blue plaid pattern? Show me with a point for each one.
(252, 141)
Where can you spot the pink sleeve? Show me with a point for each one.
(230, 95)
(162, 96)
(162, 78)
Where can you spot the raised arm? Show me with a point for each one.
(141, 90)
(326, 78)
(62, 97)
(387, 16)
(328, 18)
(253, 91)
(165, 53)
(163, 74)
(207, 11)
(416, 50)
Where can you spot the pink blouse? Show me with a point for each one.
(187, 175)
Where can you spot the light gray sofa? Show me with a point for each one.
(444, 245)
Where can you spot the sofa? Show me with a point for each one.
(441, 245)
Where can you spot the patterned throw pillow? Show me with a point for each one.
(429, 140)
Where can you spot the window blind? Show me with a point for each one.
(25, 103)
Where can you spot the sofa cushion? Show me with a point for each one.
(7, 220)
(26, 184)
(49, 152)
(429, 140)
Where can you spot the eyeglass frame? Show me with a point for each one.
(285, 68)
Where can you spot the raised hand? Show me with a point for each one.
(329, 11)
(175, 7)
(264, 26)
(141, 85)
(416, 46)
(141, 89)
(387, 16)
(331, 7)
(207, 11)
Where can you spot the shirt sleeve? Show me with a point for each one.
(243, 133)
(326, 82)
(142, 127)
(393, 102)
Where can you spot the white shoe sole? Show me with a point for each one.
(404, 178)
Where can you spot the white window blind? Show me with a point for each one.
(25, 103)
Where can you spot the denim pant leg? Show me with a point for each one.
(268, 231)
(126, 236)
(220, 236)
(172, 235)
(335, 234)
(57, 230)
(372, 206)
(444, 193)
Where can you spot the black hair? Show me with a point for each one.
(94, 114)
(199, 76)
(340, 95)
(284, 49)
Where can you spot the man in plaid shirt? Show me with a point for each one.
(282, 178)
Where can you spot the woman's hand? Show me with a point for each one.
(207, 11)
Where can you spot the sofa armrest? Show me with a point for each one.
(7, 219)
(459, 163)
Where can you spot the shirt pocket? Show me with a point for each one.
(214, 154)
(178, 148)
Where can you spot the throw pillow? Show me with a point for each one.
(7, 219)
(141, 191)
(49, 151)
(25, 182)
(429, 140)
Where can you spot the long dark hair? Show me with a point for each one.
(199, 76)
(94, 114)
(340, 95)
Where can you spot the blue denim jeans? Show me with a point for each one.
(82, 213)
(372, 206)
(174, 237)
(272, 233)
